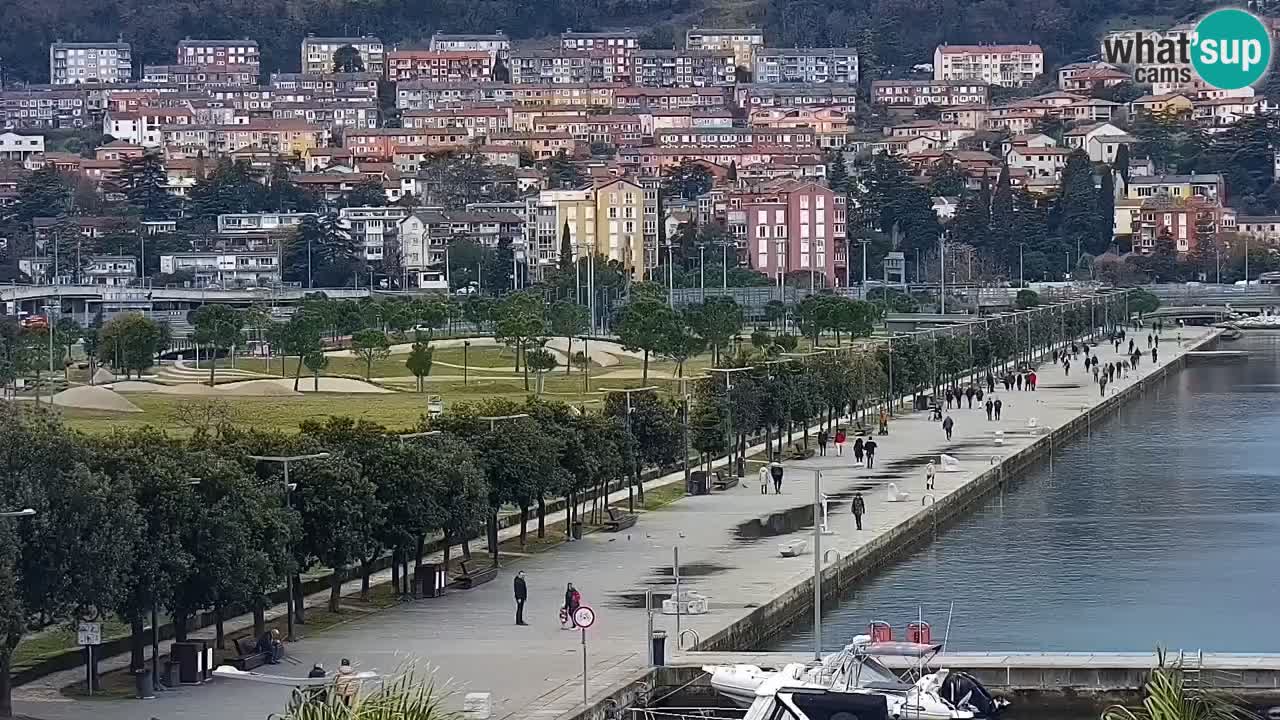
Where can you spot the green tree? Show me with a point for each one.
(419, 360)
(320, 252)
(1027, 298)
(370, 345)
(643, 325)
(1077, 205)
(130, 341)
(347, 59)
(567, 255)
(837, 172)
(541, 362)
(339, 510)
(316, 361)
(145, 183)
(219, 328)
(567, 320)
(689, 180)
(1168, 696)
(66, 333)
(300, 336)
(517, 320)
(366, 193)
(562, 173)
(717, 321)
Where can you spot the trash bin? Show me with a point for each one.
(659, 640)
(142, 684)
(430, 580)
(923, 402)
(577, 530)
(191, 662)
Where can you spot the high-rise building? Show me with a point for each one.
(1004, 65)
(71, 63)
(219, 52)
(742, 41)
(317, 53)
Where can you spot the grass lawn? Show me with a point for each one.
(488, 360)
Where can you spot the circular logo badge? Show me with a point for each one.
(1231, 49)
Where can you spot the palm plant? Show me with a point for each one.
(405, 695)
(1168, 697)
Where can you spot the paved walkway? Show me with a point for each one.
(535, 671)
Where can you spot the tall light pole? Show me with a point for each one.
(702, 273)
(942, 273)
(1246, 260)
(724, 266)
(864, 242)
(728, 393)
(48, 318)
(288, 487)
(1021, 281)
(635, 465)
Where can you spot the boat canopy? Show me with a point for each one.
(899, 649)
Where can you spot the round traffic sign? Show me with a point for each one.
(584, 617)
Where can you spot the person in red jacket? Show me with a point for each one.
(1031, 377)
(840, 438)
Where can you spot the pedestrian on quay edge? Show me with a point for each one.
(859, 507)
(522, 594)
(1154, 350)
(870, 449)
(775, 470)
(947, 425)
(999, 404)
(928, 476)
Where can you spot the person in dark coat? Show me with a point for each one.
(859, 507)
(775, 471)
(947, 424)
(999, 404)
(572, 601)
(522, 594)
(870, 449)
(969, 392)
(1018, 381)
(949, 395)
(822, 443)
(1154, 355)
(990, 407)
(979, 396)
(857, 451)
(991, 382)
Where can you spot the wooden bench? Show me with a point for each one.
(471, 578)
(724, 482)
(247, 656)
(618, 520)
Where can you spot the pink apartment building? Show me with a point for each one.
(791, 226)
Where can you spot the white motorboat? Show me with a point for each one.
(938, 695)
(777, 698)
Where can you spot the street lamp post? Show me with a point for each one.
(635, 465)
(48, 318)
(864, 242)
(728, 392)
(1021, 280)
(465, 345)
(702, 273)
(285, 460)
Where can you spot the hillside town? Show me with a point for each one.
(612, 148)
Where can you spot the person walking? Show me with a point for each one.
(840, 438)
(928, 476)
(870, 449)
(990, 406)
(947, 425)
(979, 395)
(822, 443)
(1066, 368)
(991, 382)
(969, 392)
(1154, 355)
(1018, 381)
(999, 404)
(775, 470)
(345, 683)
(857, 451)
(522, 594)
(948, 396)
(572, 601)
(1032, 378)
(1102, 386)
(859, 507)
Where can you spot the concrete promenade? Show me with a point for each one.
(727, 552)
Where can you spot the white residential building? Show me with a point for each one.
(225, 269)
(1004, 65)
(16, 147)
(241, 223)
(317, 53)
(806, 65)
(371, 227)
(742, 41)
(1100, 140)
(219, 52)
(71, 63)
(496, 44)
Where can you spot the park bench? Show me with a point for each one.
(471, 578)
(724, 482)
(618, 520)
(247, 656)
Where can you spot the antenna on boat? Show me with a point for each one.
(946, 635)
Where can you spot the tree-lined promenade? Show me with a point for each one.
(232, 534)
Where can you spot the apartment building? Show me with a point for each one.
(440, 65)
(649, 98)
(923, 93)
(425, 235)
(225, 268)
(804, 138)
(371, 227)
(382, 143)
(618, 46)
(496, 44)
(327, 83)
(219, 52)
(829, 125)
(20, 148)
(1102, 141)
(561, 66)
(1179, 219)
(1207, 185)
(790, 226)
(742, 41)
(317, 53)
(196, 78)
(476, 121)
(1009, 66)
(806, 65)
(682, 68)
(432, 95)
(144, 127)
(756, 96)
(267, 222)
(1260, 228)
(361, 113)
(72, 63)
(607, 219)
